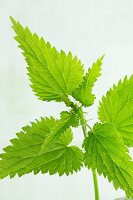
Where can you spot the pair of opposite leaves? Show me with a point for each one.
(44, 146)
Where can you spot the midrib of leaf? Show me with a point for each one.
(27, 147)
(36, 57)
(34, 157)
(49, 70)
(122, 126)
(60, 71)
(101, 159)
(62, 154)
(89, 82)
(114, 162)
(114, 168)
(51, 85)
(20, 159)
(48, 143)
(105, 113)
(70, 73)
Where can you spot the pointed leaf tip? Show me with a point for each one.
(12, 20)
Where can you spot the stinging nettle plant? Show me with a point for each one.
(45, 144)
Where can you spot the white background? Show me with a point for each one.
(89, 28)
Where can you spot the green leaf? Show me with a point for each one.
(67, 119)
(117, 108)
(106, 152)
(54, 75)
(24, 156)
(84, 92)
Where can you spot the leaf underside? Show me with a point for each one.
(24, 155)
(106, 152)
(117, 108)
(54, 75)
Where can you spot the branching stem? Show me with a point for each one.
(84, 125)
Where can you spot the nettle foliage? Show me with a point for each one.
(45, 144)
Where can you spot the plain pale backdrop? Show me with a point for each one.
(88, 28)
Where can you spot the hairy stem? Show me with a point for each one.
(84, 128)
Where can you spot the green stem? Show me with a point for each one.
(84, 131)
(83, 124)
(95, 185)
(84, 128)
